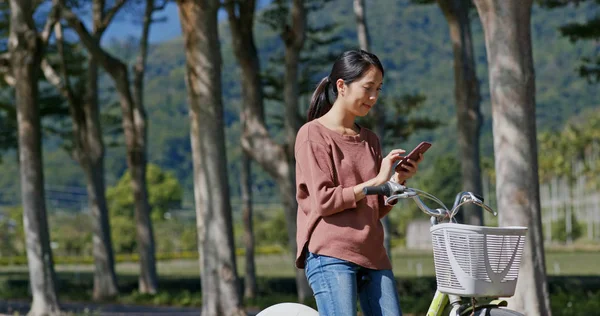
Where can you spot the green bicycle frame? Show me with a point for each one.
(439, 302)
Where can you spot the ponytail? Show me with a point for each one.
(319, 103)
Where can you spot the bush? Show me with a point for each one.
(164, 193)
(559, 231)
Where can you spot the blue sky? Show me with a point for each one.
(123, 28)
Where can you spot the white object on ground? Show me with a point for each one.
(288, 309)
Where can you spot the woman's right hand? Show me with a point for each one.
(387, 165)
(385, 173)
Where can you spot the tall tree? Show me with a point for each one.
(256, 141)
(26, 48)
(378, 112)
(139, 68)
(220, 295)
(88, 146)
(250, 285)
(466, 94)
(88, 150)
(134, 127)
(507, 30)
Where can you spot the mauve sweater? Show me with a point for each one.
(329, 220)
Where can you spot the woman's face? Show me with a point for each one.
(360, 96)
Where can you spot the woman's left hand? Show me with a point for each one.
(408, 170)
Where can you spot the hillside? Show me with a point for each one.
(413, 43)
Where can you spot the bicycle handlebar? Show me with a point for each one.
(395, 191)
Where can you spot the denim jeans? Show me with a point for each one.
(337, 284)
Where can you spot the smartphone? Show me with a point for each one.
(414, 154)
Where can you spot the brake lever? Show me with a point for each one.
(478, 200)
(396, 188)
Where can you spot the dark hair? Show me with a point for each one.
(350, 66)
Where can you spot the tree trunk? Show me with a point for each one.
(148, 277)
(466, 93)
(220, 288)
(293, 38)
(105, 279)
(88, 131)
(256, 141)
(507, 31)
(361, 25)
(250, 287)
(377, 112)
(25, 56)
(134, 127)
(88, 151)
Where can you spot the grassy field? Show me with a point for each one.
(406, 264)
(574, 282)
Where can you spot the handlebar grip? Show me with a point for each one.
(383, 189)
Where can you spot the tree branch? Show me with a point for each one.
(161, 6)
(53, 77)
(111, 14)
(87, 39)
(5, 70)
(53, 17)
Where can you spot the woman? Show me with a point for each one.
(339, 235)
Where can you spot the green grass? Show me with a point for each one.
(406, 263)
(574, 286)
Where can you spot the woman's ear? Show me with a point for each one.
(340, 86)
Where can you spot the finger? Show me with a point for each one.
(420, 158)
(410, 163)
(397, 152)
(410, 168)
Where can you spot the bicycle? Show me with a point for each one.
(470, 261)
(456, 248)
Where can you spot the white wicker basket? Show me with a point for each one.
(477, 261)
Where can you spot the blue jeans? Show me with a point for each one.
(337, 284)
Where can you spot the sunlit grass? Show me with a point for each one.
(406, 263)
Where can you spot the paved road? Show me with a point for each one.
(22, 307)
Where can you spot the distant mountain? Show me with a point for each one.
(413, 43)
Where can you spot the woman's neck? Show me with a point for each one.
(338, 117)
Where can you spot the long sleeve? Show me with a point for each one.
(317, 189)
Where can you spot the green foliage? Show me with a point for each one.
(559, 152)
(123, 231)
(164, 193)
(71, 234)
(443, 180)
(175, 236)
(271, 230)
(587, 31)
(559, 231)
(12, 236)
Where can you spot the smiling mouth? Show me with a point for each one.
(367, 105)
